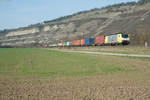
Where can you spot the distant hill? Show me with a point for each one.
(132, 18)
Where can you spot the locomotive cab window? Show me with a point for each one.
(125, 35)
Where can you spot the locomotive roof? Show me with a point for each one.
(118, 33)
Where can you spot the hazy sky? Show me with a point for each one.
(19, 13)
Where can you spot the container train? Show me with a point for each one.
(112, 39)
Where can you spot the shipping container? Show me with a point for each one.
(57, 43)
(100, 40)
(64, 43)
(82, 42)
(61, 43)
(89, 41)
(78, 42)
(69, 43)
(73, 43)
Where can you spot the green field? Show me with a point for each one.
(31, 63)
(41, 62)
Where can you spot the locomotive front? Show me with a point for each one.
(125, 39)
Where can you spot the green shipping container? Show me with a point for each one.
(64, 43)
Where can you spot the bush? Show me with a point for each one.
(143, 1)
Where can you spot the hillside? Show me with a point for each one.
(132, 18)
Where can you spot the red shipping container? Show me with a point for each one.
(57, 43)
(100, 40)
(61, 43)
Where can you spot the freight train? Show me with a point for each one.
(112, 39)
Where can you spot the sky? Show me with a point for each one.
(21, 13)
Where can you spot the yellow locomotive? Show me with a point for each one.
(118, 38)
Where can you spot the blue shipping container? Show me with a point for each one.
(89, 41)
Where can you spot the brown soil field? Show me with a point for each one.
(83, 88)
